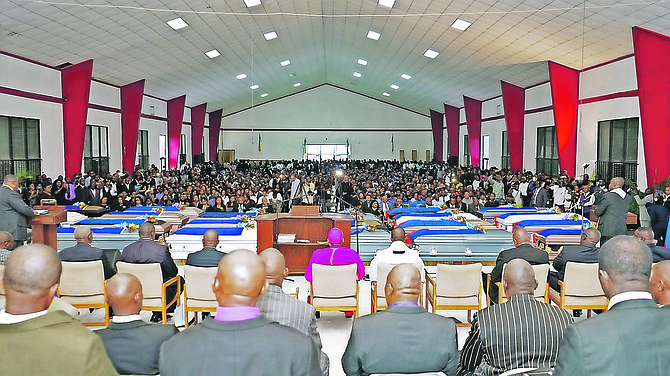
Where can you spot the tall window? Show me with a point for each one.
(466, 151)
(143, 149)
(617, 148)
(182, 149)
(19, 146)
(504, 161)
(162, 151)
(96, 155)
(327, 152)
(546, 157)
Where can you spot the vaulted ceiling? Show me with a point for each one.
(508, 40)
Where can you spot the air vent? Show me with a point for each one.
(64, 65)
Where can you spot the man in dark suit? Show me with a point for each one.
(145, 251)
(612, 211)
(84, 251)
(658, 220)
(585, 252)
(631, 338)
(659, 283)
(285, 309)
(646, 236)
(6, 246)
(520, 333)
(14, 213)
(131, 344)
(404, 338)
(523, 250)
(208, 256)
(238, 340)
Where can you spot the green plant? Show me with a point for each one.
(660, 186)
(633, 207)
(24, 175)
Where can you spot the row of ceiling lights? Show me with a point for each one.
(459, 24)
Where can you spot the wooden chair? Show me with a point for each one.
(378, 295)
(295, 294)
(334, 288)
(82, 284)
(2, 275)
(455, 287)
(198, 294)
(580, 288)
(541, 292)
(153, 287)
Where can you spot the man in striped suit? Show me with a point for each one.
(284, 309)
(521, 333)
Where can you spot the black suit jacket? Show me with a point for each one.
(659, 253)
(206, 257)
(145, 251)
(577, 253)
(533, 255)
(133, 347)
(87, 252)
(401, 340)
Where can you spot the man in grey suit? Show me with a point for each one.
(84, 251)
(520, 333)
(208, 256)
(585, 252)
(238, 340)
(285, 309)
(14, 213)
(631, 338)
(404, 338)
(612, 211)
(132, 345)
(646, 236)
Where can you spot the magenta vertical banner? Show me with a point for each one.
(175, 115)
(564, 83)
(131, 110)
(452, 116)
(76, 83)
(214, 130)
(473, 120)
(437, 123)
(197, 126)
(514, 102)
(652, 53)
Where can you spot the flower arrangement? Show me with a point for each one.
(555, 210)
(244, 218)
(151, 218)
(572, 217)
(158, 210)
(517, 205)
(179, 206)
(476, 227)
(459, 219)
(249, 225)
(371, 227)
(80, 205)
(130, 227)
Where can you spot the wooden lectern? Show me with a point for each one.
(308, 225)
(45, 225)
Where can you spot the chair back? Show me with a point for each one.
(199, 282)
(383, 270)
(582, 280)
(458, 281)
(334, 281)
(2, 275)
(150, 277)
(541, 274)
(82, 278)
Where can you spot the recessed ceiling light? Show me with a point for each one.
(405, 76)
(357, 75)
(394, 87)
(177, 23)
(252, 3)
(241, 76)
(431, 54)
(374, 35)
(460, 24)
(264, 95)
(362, 62)
(212, 54)
(285, 63)
(387, 3)
(270, 35)
(254, 87)
(297, 84)
(386, 94)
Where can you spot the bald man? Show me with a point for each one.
(404, 338)
(520, 333)
(208, 256)
(659, 283)
(34, 341)
(523, 250)
(146, 251)
(612, 211)
(631, 338)
(238, 340)
(84, 251)
(646, 236)
(6, 246)
(14, 213)
(132, 345)
(586, 252)
(285, 309)
(397, 253)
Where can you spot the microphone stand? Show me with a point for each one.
(355, 212)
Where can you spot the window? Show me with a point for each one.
(617, 148)
(143, 150)
(96, 156)
(466, 151)
(162, 151)
(504, 161)
(486, 151)
(327, 152)
(182, 150)
(546, 157)
(19, 146)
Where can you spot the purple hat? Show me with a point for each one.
(335, 236)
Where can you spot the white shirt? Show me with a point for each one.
(124, 319)
(628, 295)
(8, 318)
(408, 256)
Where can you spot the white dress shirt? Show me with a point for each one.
(397, 253)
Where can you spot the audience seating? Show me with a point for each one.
(198, 294)
(455, 287)
(580, 288)
(153, 287)
(334, 288)
(542, 290)
(2, 286)
(378, 295)
(82, 284)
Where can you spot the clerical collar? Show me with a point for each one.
(404, 304)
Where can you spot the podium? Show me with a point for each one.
(45, 225)
(308, 225)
